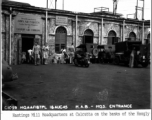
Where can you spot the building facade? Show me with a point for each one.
(23, 24)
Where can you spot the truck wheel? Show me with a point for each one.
(86, 65)
(144, 64)
(117, 61)
(75, 62)
(135, 63)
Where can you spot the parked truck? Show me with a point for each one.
(106, 53)
(123, 51)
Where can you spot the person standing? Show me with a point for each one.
(23, 57)
(71, 53)
(30, 54)
(36, 51)
(45, 50)
(132, 58)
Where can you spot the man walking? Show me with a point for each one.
(45, 50)
(36, 51)
(132, 58)
(30, 56)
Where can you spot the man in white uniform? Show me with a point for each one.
(30, 52)
(45, 50)
(36, 51)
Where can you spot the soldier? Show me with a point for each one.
(45, 50)
(36, 51)
(132, 58)
(23, 57)
(30, 54)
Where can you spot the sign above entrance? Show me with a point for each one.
(28, 24)
(61, 20)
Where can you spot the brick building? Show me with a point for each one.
(22, 23)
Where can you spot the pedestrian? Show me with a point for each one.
(66, 58)
(71, 53)
(132, 58)
(30, 54)
(59, 61)
(45, 50)
(100, 56)
(23, 57)
(103, 55)
(36, 52)
(62, 58)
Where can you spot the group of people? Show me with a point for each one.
(36, 53)
(66, 56)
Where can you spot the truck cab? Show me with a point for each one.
(123, 51)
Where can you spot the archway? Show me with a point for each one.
(88, 36)
(60, 39)
(112, 37)
(132, 36)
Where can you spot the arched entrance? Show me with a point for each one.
(132, 36)
(112, 37)
(88, 36)
(60, 39)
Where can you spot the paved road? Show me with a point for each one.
(65, 84)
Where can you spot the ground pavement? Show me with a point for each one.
(66, 84)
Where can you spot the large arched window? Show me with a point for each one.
(112, 37)
(112, 34)
(60, 39)
(132, 36)
(88, 36)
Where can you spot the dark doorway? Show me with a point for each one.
(27, 43)
(88, 36)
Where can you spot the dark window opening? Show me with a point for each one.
(88, 36)
(132, 36)
(112, 39)
(88, 39)
(60, 39)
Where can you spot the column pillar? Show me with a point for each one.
(101, 31)
(10, 38)
(76, 36)
(123, 31)
(143, 42)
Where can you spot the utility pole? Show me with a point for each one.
(46, 21)
(137, 10)
(115, 6)
(10, 38)
(63, 4)
(140, 8)
(143, 26)
(55, 4)
(143, 9)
